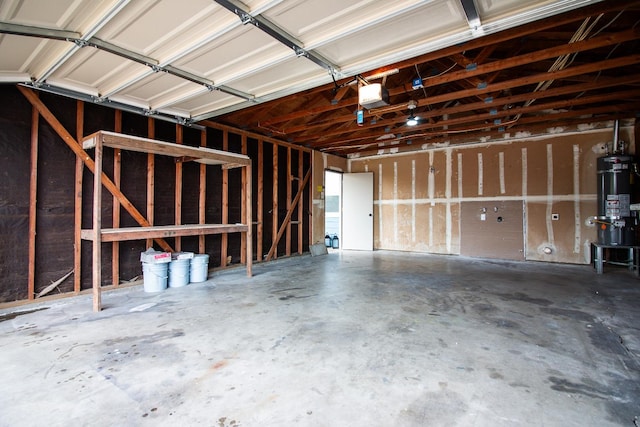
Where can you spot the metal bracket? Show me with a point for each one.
(268, 27)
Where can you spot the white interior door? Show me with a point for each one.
(357, 211)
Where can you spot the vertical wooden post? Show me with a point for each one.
(311, 195)
(243, 205)
(249, 218)
(178, 199)
(260, 205)
(117, 175)
(225, 203)
(33, 193)
(77, 239)
(97, 225)
(202, 200)
(301, 204)
(289, 184)
(151, 160)
(274, 212)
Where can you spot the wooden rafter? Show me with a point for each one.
(500, 70)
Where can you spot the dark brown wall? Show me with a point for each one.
(55, 198)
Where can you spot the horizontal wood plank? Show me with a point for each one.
(163, 231)
(203, 155)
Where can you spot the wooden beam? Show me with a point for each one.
(482, 125)
(224, 241)
(287, 218)
(145, 145)
(151, 168)
(90, 163)
(231, 129)
(300, 206)
(202, 196)
(260, 201)
(178, 194)
(117, 175)
(33, 197)
(248, 202)
(164, 231)
(310, 207)
(450, 96)
(502, 36)
(602, 83)
(274, 208)
(522, 81)
(97, 226)
(243, 205)
(446, 126)
(528, 58)
(289, 184)
(340, 93)
(537, 125)
(77, 237)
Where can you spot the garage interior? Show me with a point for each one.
(468, 286)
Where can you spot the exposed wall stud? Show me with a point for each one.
(300, 205)
(243, 208)
(151, 160)
(77, 229)
(178, 195)
(117, 175)
(260, 201)
(274, 209)
(202, 198)
(33, 192)
(289, 184)
(225, 203)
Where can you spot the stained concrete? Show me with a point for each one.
(345, 339)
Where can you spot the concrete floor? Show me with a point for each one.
(346, 339)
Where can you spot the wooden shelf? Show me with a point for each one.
(182, 153)
(185, 153)
(162, 231)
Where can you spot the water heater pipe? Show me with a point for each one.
(616, 132)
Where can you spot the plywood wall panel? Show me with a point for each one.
(491, 170)
(536, 169)
(439, 174)
(512, 170)
(492, 230)
(548, 175)
(469, 173)
(422, 173)
(563, 167)
(402, 178)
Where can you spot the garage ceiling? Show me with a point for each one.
(486, 66)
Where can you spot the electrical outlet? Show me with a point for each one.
(555, 217)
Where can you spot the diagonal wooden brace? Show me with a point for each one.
(88, 161)
(287, 218)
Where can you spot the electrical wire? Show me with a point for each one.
(563, 61)
(398, 139)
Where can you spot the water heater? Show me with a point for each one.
(616, 226)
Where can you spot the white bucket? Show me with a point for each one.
(199, 268)
(179, 273)
(155, 276)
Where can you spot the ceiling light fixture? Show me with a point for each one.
(412, 120)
